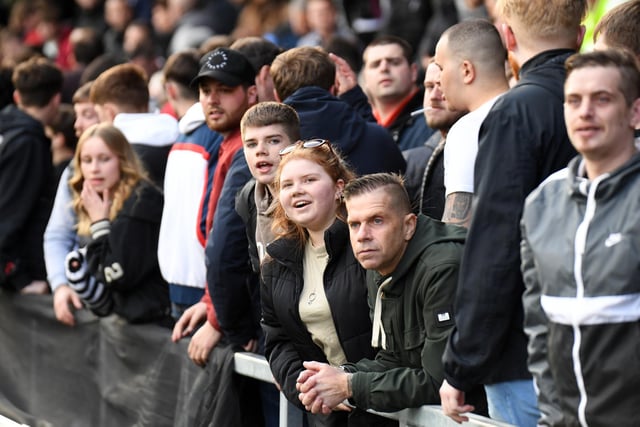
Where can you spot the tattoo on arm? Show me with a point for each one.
(457, 209)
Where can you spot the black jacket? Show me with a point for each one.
(125, 258)
(288, 343)
(367, 146)
(522, 140)
(27, 186)
(424, 179)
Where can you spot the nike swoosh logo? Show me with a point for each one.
(613, 239)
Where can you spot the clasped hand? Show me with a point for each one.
(323, 388)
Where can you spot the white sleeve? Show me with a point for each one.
(459, 159)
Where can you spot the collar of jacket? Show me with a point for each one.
(607, 188)
(289, 252)
(548, 57)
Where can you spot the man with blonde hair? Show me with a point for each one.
(522, 141)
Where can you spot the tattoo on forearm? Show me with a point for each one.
(457, 209)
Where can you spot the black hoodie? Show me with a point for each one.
(26, 193)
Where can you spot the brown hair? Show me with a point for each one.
(392, 184)
(620, 26)
(131, 171)
(272, 113)
(623, 60)
(301, 67)
(124, 85)
(407, 50)
(37, 80)
(336, 168)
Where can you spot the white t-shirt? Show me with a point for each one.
(461, 149)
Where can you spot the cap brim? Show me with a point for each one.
(224, 78)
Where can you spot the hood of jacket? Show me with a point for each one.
(152, 129)
(192, 119)
(12, 118)
(322, 115)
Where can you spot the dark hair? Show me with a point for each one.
(181, 68)
(86, 44)
(63, 123)
(385, 39)
(623, 60)
(477, 40)
(6, 86)
(258, 51)
(37, 80)
(392, 183)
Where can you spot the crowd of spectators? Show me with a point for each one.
(338, 186)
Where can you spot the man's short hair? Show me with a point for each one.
(407, 50)
(478, 41)
(620, 27)
(37, 80)
(272, 113)
(301, 67)
(180, 68)
(258, 51)
(545, 19)
(83, 93)
(623, 60)
(124, 85)
(391, 183)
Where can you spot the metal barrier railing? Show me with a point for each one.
(256, 366)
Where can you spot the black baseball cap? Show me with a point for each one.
(227, 66)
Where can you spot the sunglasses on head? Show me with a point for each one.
(310, 143)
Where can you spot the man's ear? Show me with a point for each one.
(635, 114)
(263, 74)
(409, 226)
(252, 94)
(509, 38)
(468, 72)
(581, 33)
(16, 97)
(275, 95)
(414, 72)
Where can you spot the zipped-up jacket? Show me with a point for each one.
(581, 266)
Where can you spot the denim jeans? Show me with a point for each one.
(513, 402)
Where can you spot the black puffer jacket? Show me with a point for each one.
(288, 343)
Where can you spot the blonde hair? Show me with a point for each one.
(131, 172)
(336, 168)
(545, 19)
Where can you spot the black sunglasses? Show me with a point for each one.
(310, 143)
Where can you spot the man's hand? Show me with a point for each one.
(202, 342)
(189, 320)
(346, 78)
(65, 302)
(323, 388)
(453, 403)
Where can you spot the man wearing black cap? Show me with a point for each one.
(226, 84)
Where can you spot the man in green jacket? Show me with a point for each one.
(412, 267)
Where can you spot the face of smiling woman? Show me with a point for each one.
(308, 195)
